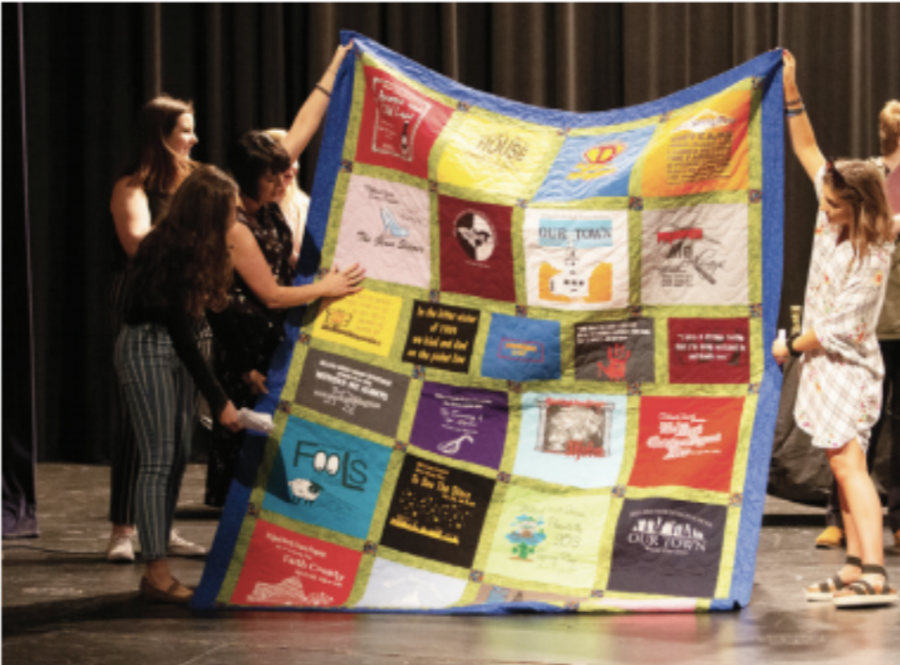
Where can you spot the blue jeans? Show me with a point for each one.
(159, 393)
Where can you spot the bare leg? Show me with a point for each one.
(851, 536)
(861, 506)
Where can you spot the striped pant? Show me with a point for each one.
(159, 394)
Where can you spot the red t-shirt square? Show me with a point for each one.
(287, 568)
(399, 125)
(709, 351)
(687, 441)
(476, 249)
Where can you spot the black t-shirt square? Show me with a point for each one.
(437, 512)
(668, 547)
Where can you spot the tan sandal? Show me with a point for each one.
(863, 593)
(824, 591)
(176, 594)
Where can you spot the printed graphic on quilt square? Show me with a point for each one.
(618, 351)
(687, 441)
(462, 423)
(393, 585)
(399, 125)
(352, 391)
(520, 349)
(385, 227)
(497, 155)
(490, 594)
(441, 336)
(701, 149)
(703, 351)
(591, 166)
(365, 321)
(437, 512)
(668, 547)
(576, 259)
(549, 537)
(476, 249)
(327, 478)
(695, 256)
(576, 440)
(290, 569)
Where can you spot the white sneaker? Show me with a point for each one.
(178, 546)
(120, 549)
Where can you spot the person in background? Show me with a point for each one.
(888, 332)
(140, 197)
(841, 370)
(295, 202)
(249, 330)
(182, 268)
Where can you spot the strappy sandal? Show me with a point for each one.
(863, 593)
(824, 591)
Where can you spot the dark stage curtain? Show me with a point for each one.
(90, 67)
(19, 443)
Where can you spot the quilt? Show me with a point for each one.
(554, 392)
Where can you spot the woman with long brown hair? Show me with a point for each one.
(159, 163)
(182, 268)
(841, 368)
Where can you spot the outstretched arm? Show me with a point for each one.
(252, 267)
(310, 115)
(803, 140)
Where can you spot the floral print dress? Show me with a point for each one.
(839, 397)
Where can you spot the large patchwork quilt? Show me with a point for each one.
(554, 392)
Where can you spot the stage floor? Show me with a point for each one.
(62, 603)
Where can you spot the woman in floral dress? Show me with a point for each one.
(841, 369)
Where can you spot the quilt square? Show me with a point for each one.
(441, 336)
(497, 155)
(619, 351)
(352, 391)
(385, 227)
(592, 166)
(489, 594)
(476, 249)
(549, 537)
(704, 148)
(572, 439)
(668, 547)
(393, 585)
(687, 441)
(576, 259)
(327, 478)
(695, 256)
(462, 423)
(437, 512)
(703, 351)
(365, 321)
(520, 349)
(399, 125)
(290, 569)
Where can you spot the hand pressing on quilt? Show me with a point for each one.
(339, 283)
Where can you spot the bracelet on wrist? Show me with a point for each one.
(325, 92)
(791, 113)
(792, 102)
(790, 346)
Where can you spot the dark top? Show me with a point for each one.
(247, 331)
(159, 204)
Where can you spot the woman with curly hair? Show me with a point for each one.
(182, 268)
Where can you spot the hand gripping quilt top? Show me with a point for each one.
(554, 392)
